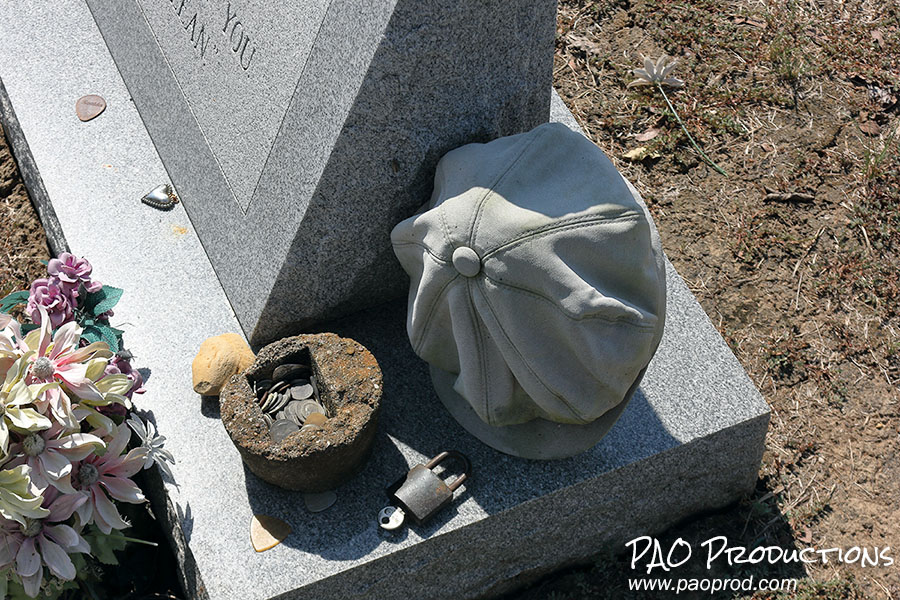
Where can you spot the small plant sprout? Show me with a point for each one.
(658, 74)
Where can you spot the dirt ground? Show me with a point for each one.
(23, 244)
(793, 253)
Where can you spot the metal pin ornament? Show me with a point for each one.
(162, 197)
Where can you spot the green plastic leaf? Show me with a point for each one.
(29, 327)
(102, 301)
(91, 333)
(16, 591)
(109, 336)
(13, 300)
(104, 547)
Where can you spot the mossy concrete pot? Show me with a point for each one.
(349, 382)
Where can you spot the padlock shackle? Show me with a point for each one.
(467, 466)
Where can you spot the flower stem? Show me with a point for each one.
(131, 539)
(684, 129)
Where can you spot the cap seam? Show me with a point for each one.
(444, 228)
(559, 226)
(428, 250)
(473, 229)
(417, 346)
(482, 355)
(524, 362)
(616, 320)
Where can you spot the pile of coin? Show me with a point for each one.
(290, 401)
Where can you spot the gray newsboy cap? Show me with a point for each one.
(537, 290)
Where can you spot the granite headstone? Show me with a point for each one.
(297, 134)
(690, 441)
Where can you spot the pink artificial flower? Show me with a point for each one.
(43, 542)
(121, 365)
(98, 475)
(49, 301)
(50, 456)
(63, 361)
(72, 271)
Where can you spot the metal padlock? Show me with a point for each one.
(421, 493)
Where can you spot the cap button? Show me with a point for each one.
(466, 261)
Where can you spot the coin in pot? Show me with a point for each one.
(307, 407)
(302, 392)
(262, 386)
(281, 429)
(315, 419)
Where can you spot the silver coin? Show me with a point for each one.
(292, 412)
(271, 396)
(302, 392)
(279, 402)
(264, 401)
(269, 420)
(307, 407)
(310, 427)
(280, 429)
(281, 416)
(319, 501)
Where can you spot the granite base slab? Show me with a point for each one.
(691, 439)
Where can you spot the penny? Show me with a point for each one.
(320, 501)
(281, 429)
(302, 392)
(315, 419)
(267, 532)
(89, 107)
(264, 400)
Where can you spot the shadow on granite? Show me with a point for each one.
(349, 531)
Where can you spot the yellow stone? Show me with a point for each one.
(267, 532)
(218, 359)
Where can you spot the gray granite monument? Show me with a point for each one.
(297, 134)
(689, 441)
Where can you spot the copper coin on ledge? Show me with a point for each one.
(89, 107)
(267, 532)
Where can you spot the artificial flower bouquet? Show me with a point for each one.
(65, 462)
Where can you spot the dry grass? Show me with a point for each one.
(795, 255)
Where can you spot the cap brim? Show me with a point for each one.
(537, 439)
